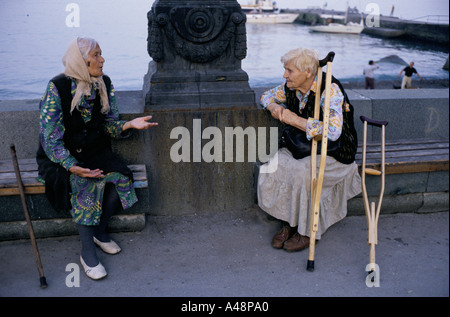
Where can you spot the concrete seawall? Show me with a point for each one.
(199, 186)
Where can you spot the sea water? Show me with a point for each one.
(34, 36)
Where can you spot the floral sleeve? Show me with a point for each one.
(315, 127)
(114, 126)
(274, 95)
(52, 128)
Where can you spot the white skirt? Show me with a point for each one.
(285, 192)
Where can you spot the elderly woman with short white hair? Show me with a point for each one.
(285, 192)
(78, 118)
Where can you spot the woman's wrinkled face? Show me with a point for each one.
(295, 79)
(95, 62)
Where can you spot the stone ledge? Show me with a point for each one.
(65, 227)
(228, 186)
(408, 203)
(391, 204)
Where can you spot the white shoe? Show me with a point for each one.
(94, 273)
(109, 247)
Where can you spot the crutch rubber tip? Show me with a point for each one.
(43, 282)
(310, 266)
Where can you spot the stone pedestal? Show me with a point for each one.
(197, 47)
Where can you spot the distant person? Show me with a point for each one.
(368, 73)
(78, 118)
(409, 71)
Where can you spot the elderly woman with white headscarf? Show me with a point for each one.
(78, 118)
(285, 193)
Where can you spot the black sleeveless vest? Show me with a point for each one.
(83, 140)
(87, 142)
(348, 141)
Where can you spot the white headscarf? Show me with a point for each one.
(76, 68)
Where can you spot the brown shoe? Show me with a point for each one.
(284, 234)
(296, 243)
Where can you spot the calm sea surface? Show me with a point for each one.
(34, 36)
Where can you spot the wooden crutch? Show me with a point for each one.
(372, 214)
(42, 278)
(317, 179)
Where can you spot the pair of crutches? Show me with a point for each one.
(372, 212)
(317, 177)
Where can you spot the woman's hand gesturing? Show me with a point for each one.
(141, 123)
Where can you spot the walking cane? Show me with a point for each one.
(42, 279)
(372, 214)
(317, 179)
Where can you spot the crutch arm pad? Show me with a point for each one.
(328, 58)
(373, 122)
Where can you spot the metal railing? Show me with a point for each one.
(432, 19)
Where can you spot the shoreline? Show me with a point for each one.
(396, 83)
(433, 83)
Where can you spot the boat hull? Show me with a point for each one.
(271, 18)
(341, 29)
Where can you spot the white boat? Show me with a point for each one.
(259, 6)
(349, 28)
(345, 28)
(271, 17)
(266, 11)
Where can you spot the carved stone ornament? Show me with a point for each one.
(197, 47)
(199, 34)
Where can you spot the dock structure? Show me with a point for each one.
(433, 29)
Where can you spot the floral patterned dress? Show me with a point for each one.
(87, 193)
